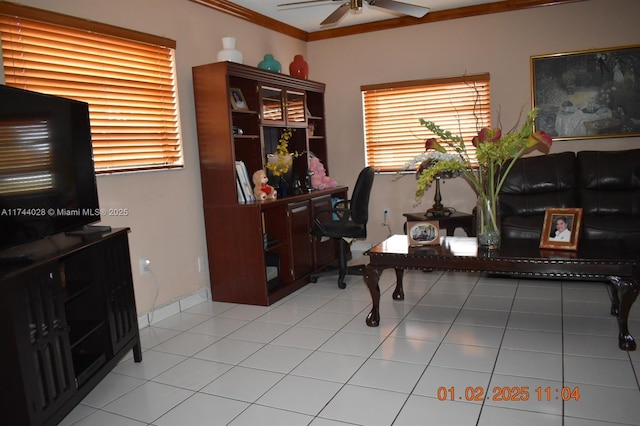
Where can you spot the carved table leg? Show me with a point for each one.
(371, 278)
(615, 300)
(398, 293)
(625, 292)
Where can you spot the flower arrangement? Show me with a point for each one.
(496, 154)
(494, 151)
(279, 162)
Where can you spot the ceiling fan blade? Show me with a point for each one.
(336, 15)
(304, 2)
(404, 8)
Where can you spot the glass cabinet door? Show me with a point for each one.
(283, 106)
(295, 107)
(272, 108)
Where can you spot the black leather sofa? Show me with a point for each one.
(606, 184)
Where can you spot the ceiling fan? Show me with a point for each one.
(356, 6)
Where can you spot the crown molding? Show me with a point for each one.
(240, 12)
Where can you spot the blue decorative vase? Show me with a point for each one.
(269, 63)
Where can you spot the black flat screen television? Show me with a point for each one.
(47, 176)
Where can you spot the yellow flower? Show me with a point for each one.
(279, 162)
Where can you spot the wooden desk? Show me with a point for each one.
(238, 255)
(609, 261)
(450, 223)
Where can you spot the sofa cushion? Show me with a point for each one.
(537, 183)
(611, 227)
(609, 182)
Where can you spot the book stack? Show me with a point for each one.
(243, 184)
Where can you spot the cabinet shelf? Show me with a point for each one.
(244, 111)
(85, 364)
(248, 137)
(76, 288)
(274, 247)
(81, 330)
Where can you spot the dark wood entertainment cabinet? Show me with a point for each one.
(240, 256)
(67, 317)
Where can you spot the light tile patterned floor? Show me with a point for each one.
(311, 360)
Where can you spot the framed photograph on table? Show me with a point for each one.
(237, 99)
(423, 233)
(588, 94)
(561, 229)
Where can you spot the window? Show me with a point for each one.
(127, 78)
(393, 133)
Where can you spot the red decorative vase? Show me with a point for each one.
(299, 67)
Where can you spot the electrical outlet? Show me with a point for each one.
(385, 217)
(200, 263)
(145, 265)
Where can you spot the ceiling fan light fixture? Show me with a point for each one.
(355, 7)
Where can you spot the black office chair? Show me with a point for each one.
(352, 216)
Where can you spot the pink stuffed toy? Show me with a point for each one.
(319, 179)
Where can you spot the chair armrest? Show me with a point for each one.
(346, 204)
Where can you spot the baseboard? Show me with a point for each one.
(177, 306)
(174, 307)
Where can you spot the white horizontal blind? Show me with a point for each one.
(129, 85)
(393, 134)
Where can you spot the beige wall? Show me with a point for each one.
(500, 44)
(166, 208)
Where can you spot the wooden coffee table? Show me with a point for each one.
(606, 261)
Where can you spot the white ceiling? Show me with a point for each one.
(307, 17)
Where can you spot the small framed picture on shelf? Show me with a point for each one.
(561, 229)
(423, 233)
(237, 99)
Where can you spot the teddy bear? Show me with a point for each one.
(262, 189)
(319, 179)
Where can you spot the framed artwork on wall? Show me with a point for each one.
(588, 94)
(422, 233)
(561, 228)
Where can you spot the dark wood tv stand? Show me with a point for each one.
(67, 317)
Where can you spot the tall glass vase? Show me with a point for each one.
(488, 222)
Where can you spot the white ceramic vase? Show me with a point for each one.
(229, 51)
